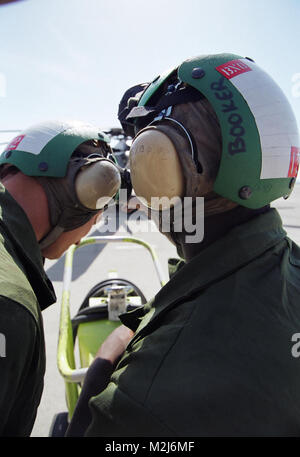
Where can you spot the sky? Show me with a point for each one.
(74, 59)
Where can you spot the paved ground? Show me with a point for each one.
(93, 264)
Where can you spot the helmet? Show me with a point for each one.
(260, 141)
(45, 149)
(73, 163)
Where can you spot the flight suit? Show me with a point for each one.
(212, 353)
(25, 291)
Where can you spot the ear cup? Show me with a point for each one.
(97, 183)
(156, 170)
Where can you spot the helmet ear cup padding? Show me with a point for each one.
(97, 183)
(156, 170)
(191, 176)
(206, 136)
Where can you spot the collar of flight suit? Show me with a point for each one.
(15, 224)
(237, 248)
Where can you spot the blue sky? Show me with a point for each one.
(73, 59)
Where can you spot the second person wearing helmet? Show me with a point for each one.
(55, 180)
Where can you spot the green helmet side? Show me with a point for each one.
(45, 149)
(260, 138)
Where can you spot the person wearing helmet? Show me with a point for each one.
(211, 354)
(56, 178)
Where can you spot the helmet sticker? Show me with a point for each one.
(45, 149)
(294, 162)
(274, 118)
(14, 143)
(33, 143)
(233, 68)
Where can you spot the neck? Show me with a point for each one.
(30, 195)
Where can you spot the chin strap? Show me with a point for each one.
(51, 237)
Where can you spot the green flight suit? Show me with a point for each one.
(212, 354)
(25, 290)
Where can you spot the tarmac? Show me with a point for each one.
(94, 263)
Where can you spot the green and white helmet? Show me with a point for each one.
(45, 149)
(73, 163)
(260, 138)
